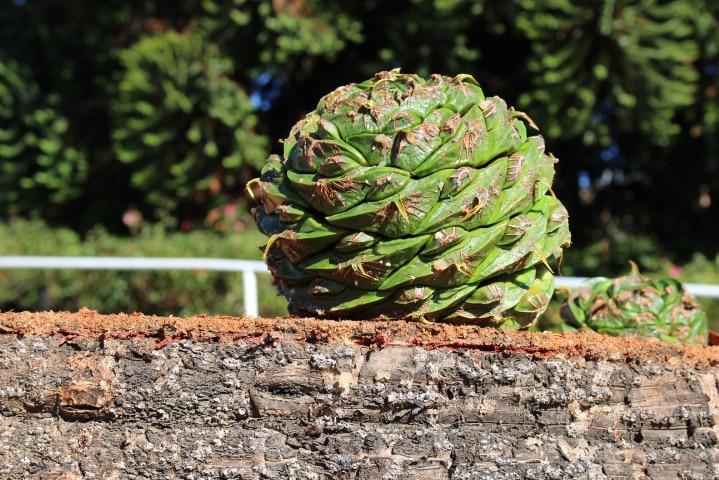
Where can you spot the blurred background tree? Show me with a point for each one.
(37, 161)
(117, 114)
(186, 129)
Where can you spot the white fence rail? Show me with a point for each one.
(248, 268)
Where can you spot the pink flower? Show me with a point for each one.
(674, 271)
(230, 210)
(131, 217)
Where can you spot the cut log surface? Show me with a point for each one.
(85, 395)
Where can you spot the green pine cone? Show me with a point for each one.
(403, 197)
(635, 306)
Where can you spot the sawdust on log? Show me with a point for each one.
(375, 334)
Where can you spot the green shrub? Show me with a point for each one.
(177, 293)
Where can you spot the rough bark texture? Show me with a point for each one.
(128, 396)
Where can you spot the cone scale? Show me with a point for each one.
(410, 198)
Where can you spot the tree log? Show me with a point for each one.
(86, 395)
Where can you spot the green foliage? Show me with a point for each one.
(66, 51)
(609, 256)
(285, 37)
(705, 116)
(185, 126)
(638, 55)
(424, 33)
(36, 160)
(149, 292)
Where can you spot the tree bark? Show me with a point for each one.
(96, 396)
